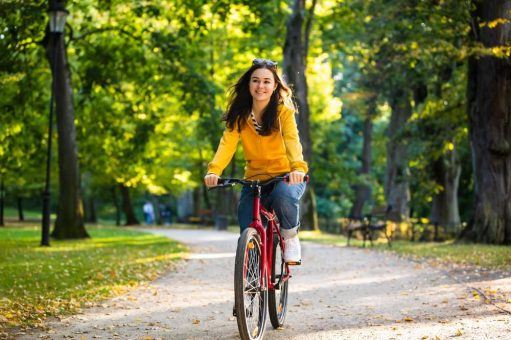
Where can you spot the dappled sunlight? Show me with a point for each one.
(195, 236)
(469, 326)
(207, 256)
(171, 256)
(48, 281)
(346, 279)
(110, 242)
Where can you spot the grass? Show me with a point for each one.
(483, 255)
(37, 282)
(487, 256)
(27, 214)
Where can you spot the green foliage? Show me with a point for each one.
(378, 48)
(150, 82)
(23, 98)
(38, 282)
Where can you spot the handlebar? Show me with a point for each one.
(230, 182)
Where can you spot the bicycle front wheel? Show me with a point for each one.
(277, 297)
(250, 287)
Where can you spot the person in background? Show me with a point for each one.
(148, 213)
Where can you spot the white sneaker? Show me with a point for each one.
(293, 252)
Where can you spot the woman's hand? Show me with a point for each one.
(296, 177)
(211, 180)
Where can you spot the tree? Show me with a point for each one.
(400, 52)
(23, 99)
(69, 223)
(363, 190)
(295, 61)
(489, 112)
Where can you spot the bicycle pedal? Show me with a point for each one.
(294, 263)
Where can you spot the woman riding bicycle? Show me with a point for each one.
(261, 113)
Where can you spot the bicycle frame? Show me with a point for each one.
(266, 235)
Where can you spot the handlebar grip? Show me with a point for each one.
(306, 178)
(219, 184)
(223, 183)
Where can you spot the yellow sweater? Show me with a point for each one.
(276, 154)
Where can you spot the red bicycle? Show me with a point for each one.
(261, 276)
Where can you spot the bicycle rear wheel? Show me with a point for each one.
(277, 298)
(250, 297)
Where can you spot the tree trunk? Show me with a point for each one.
(397, 188)
(489, 112)
(117, 207)
(69, 223)
(446, 173)
(157, 210)
(21, 217)
(362, 190)
(90, 211)
(295, 59)
(131, 218)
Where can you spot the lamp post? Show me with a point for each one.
(57, 21)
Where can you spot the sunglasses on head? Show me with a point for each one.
(265, 62)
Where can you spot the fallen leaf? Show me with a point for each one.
(196, 321)
(459, 333)
(408, 319)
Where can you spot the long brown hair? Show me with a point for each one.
(240, 100)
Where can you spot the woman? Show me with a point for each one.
(260, 113)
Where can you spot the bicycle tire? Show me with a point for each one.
(277, 298)
(250, 299)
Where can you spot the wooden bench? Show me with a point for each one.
(205, 217)
(369, 225)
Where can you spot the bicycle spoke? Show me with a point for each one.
(278, 296)
(252, 303)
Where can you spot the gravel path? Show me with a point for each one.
(339, 293)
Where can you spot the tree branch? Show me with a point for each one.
(308, 27)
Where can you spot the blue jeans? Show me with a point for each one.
(283, 198)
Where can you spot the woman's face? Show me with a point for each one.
(262, 84)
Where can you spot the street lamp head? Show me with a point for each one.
(58, 16)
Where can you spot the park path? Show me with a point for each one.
(339, 293)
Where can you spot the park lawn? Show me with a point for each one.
(27, 214)
(37, 282)
(487, 256)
